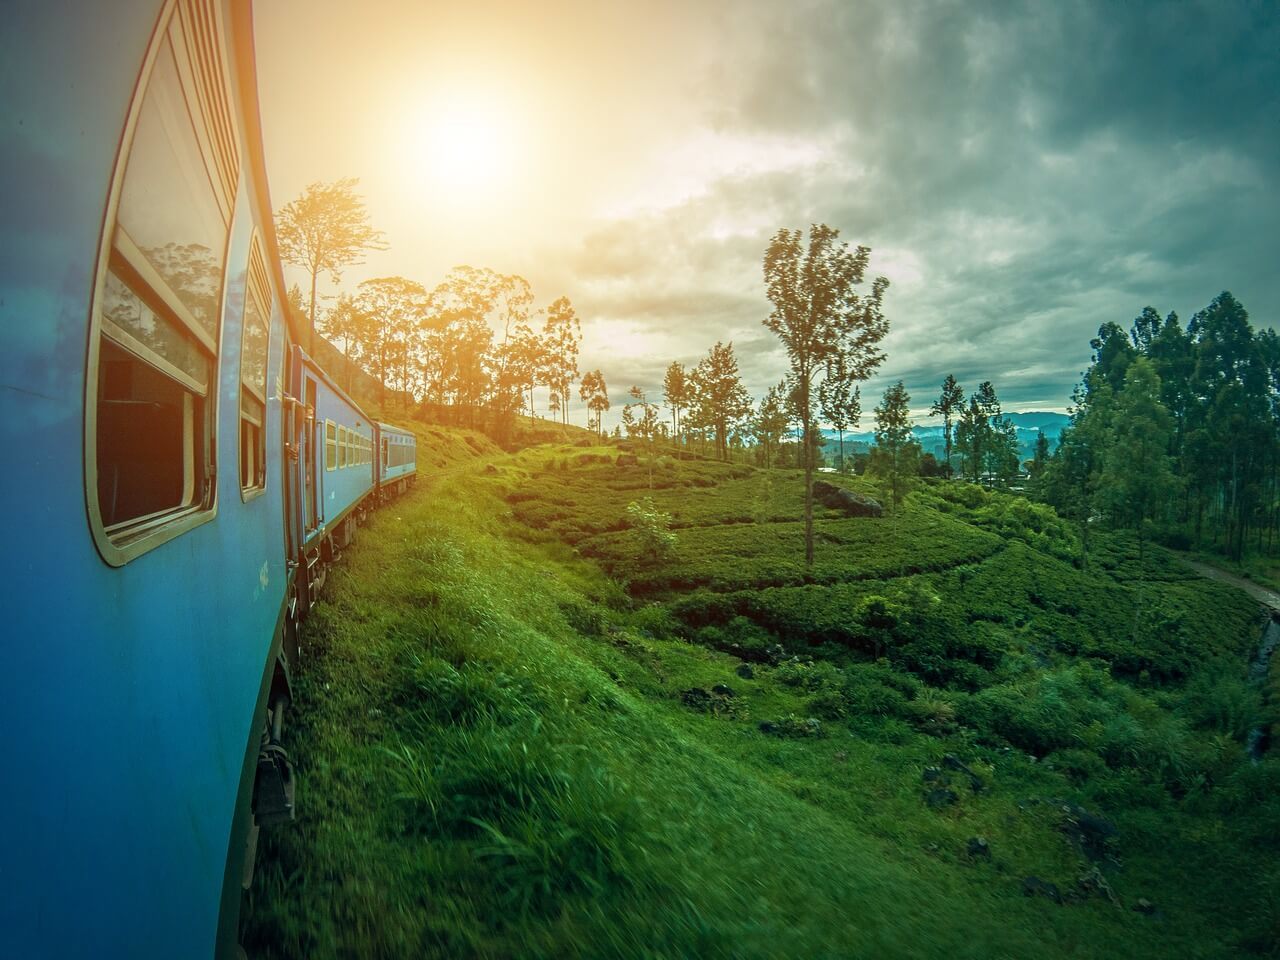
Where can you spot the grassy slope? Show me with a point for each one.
(495, 759)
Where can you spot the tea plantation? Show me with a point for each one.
(527, 734)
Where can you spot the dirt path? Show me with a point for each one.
(1268, 598)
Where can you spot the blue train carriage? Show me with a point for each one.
(397, 460)
(142, 340)
(333, 473)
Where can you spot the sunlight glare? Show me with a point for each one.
(461, 144)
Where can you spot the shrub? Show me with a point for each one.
(650, 531)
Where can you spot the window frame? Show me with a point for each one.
(122, 542)
(253, 491)
(330, 445)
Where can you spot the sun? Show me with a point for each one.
(461, 144)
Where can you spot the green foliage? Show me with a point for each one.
(650, 531)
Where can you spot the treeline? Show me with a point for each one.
(1175, 432)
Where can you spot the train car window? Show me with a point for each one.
(342, 447)
(150, 451)
(253, 374)
(330, 445)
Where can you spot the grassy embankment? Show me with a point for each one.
(503, 751)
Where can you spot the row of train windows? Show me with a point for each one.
(161, 302)
(398, 454)
(345, 447)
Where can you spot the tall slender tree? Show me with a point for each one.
(722, 400)
(949, 403)
(840, 401)
(561, 337)
(675, 387)
(896, 456)
(324, 230)
(595, 395)
(819, 315)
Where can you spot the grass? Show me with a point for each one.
(498, 755)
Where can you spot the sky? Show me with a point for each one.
(1021, 172)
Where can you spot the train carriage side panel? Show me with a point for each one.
(134, 660)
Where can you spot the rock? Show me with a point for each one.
(490, 468)
(775, 653)
(721, 690)
(627, 460)
(952, 762)
(1089, 831)
(838, 498)
(745, 671)
(1094, 882)
(940, 797)
(768, 727)
(931, 774)
(697, 698)
(978, 848)
(1144, 906)
(1034, 886)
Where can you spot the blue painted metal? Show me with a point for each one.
(396, 437)
(340, 489)
(128, 695)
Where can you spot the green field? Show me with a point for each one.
(519, 739)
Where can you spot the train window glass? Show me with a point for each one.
(150, 430)
(253, 374)
(342, 446)
(170, 226)
(252, 447)
(330, 446)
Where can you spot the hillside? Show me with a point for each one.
(946, 739)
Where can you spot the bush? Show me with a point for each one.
(650, 531)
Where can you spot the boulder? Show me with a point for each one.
(697, 698)
(940, 797)
(721, 690)
(852, 504)
(1034, 886)
(1089, 831)
(978, 848)
(952, 762)
(745, 671)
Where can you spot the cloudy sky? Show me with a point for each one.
(1022, 172)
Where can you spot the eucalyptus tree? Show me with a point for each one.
(324, 230)
(819, 315)
(594, 393)
(840, 401)
(561, 337)
(896, 456)
(950, 402)
(675, 387)
(721, 399)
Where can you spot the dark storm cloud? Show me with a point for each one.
(1039, 168)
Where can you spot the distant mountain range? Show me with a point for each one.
(932, 441)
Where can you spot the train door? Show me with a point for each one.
(313, 446)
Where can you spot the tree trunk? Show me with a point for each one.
(807, 458)
(311, 327)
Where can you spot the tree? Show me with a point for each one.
(347, 322)
(1137, 479)
(896, 455)
(839, 401)
(1042, 454)
(646, 427)
(771, 422)
(949, 403)
(595, 394)
(675, 386)
(324, 230)
(971, 430)
(561, 336)
(721, 399)
(395, 308)
(818, 315)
